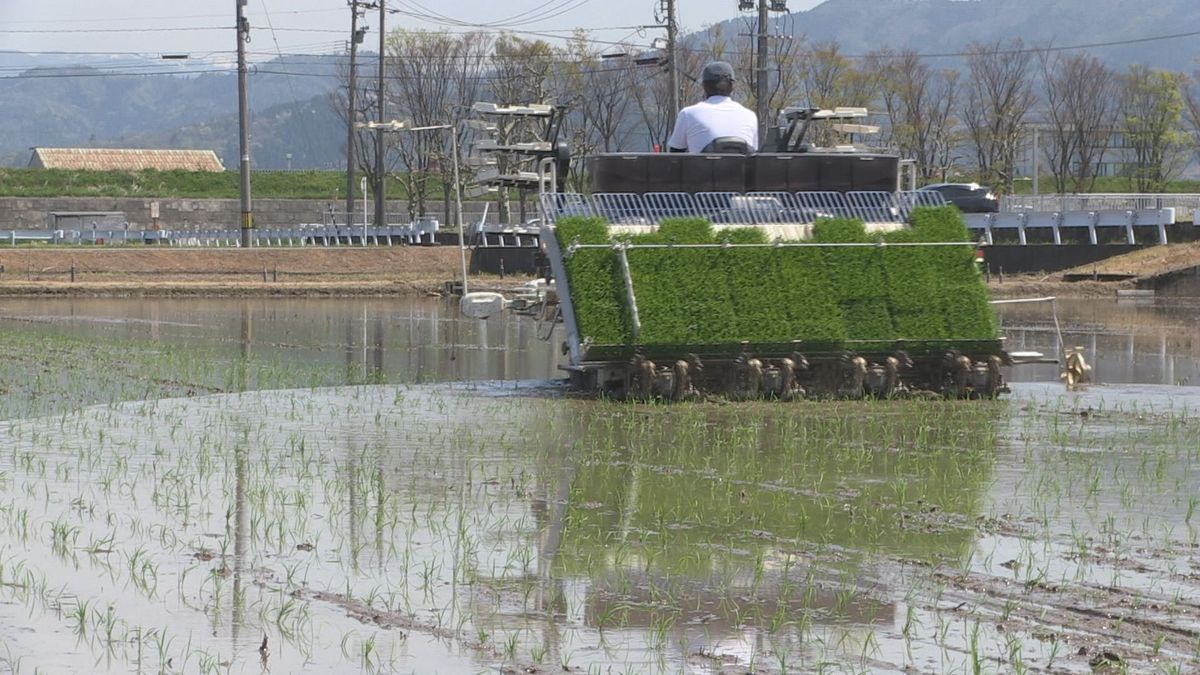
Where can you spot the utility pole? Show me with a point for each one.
(762, 109)
(356, 36)
(672, 54)
(380, 179)
(243, 36)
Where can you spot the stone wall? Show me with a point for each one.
(32, 212)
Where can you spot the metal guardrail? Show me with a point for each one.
(1057, 221)
(733, 208)
(297, 235)
(310, 235)
(1099, 202)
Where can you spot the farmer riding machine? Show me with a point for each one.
(800, 273)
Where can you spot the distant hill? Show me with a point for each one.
(309, 130)
(940, 26)
(61, 100)
(87, 105)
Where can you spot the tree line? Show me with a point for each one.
(974, 118)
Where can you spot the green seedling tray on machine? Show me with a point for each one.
(685, 291)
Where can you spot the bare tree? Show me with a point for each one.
(1152, 123)
(825, 75)
(424, 66)
(437, 75)
(1080, 107)
(521, 74)
(652, 96)
(826, 78)
(365, 110)
(999, 94)
(599, 93)
(920, 104)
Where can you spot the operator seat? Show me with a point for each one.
(728, 145)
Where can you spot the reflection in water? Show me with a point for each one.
(392, 521)
(304, 341)
(240, 517)
(559, 526)
(203, 345)
(1126, 342)
(676, 530)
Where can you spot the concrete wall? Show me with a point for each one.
(1180, 283)
(1013, 259)
(31, 212)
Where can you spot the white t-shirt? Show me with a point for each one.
(718, 116)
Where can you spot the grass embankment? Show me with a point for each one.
(768, 294)
(181, 184)
(273, 184)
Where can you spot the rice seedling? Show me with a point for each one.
(490, 522)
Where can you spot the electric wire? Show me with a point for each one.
(591, 40)
(424, 13)
(303, 119)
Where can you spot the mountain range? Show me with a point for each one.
(1159, 33)
(58, 100)
(138, 104)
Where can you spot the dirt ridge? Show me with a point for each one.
(317, 271)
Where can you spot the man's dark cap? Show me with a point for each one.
(717, 71)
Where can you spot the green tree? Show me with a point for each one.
(1152, 122)
(1191, 96)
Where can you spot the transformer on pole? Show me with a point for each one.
(763, 67)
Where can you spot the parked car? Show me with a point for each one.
(968, 197)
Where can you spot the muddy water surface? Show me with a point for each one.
(1143, 341)
(400, 525)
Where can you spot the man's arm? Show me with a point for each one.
(678, 140)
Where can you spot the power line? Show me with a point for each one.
(1067, 48)
(173, 17)
(422, 12)
(550, 34)
(306, 132)
(147, 29)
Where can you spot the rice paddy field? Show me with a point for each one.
(231, 486)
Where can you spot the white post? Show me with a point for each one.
(362, 184)
(462, 246)
(1035, 160)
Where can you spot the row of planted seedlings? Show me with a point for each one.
(181, 506)
(262, 512)
(551, 531)
(848, 313)
(544, 532)
(1091, 506)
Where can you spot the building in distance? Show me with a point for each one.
(124, 159)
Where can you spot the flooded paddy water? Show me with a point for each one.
(381, 486)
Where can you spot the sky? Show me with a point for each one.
(318, 26)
